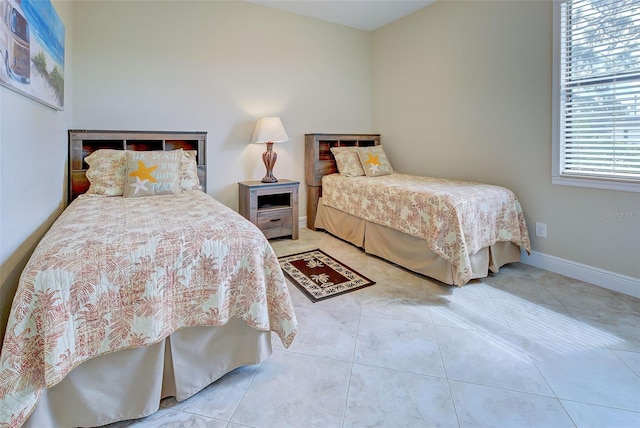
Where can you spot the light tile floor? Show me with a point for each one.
(522, 348)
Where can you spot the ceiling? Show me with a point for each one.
(362, 14)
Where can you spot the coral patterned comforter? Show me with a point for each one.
(456, 218)
(116, 273)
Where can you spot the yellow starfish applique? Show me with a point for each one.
(373, 159)
(143, 172)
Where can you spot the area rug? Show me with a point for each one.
(319, 276)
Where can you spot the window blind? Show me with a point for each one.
(600, 89)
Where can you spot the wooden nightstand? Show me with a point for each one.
(273, 207)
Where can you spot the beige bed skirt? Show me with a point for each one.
(129, 384)
(408, 251)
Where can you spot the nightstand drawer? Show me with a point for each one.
(275, 219)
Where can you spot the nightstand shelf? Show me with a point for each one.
(273, 207)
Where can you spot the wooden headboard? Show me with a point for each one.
(83, 142)
(319, 161)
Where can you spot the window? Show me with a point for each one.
(596, 94)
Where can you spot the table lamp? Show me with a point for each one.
(269, 130)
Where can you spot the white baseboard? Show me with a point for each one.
(600, 277)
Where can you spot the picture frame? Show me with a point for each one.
(32, 45)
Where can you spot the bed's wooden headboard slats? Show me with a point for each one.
(84, 142)
(319, 161)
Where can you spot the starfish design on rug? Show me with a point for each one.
(139, 185)
(143, 172)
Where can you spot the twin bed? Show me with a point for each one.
(452, 231)
(137, 294)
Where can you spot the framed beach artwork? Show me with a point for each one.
(32, 50)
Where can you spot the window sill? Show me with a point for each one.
(595, 183)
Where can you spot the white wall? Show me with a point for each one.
(33, 156)
(218, 67)
(462, 89)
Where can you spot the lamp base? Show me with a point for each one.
(269, 158)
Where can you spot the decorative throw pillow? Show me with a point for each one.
(152, 173)
(107, 168)
(189, 171)
(347, 161)
(374, 161)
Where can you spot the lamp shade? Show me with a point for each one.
(269, 130)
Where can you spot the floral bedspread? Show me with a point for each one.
(115, 273)
(456, 218)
